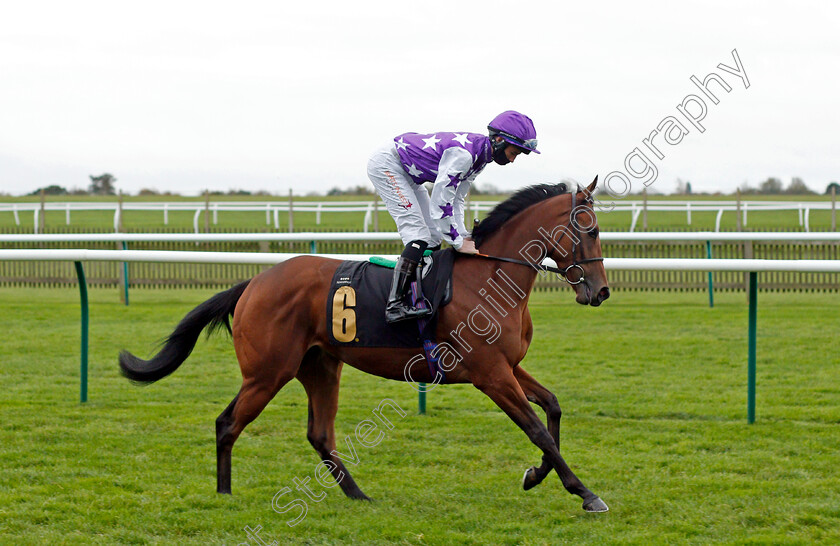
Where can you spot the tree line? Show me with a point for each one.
(770, 186)
(774, 186)
(105, 184)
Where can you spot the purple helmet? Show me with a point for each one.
(516, 129)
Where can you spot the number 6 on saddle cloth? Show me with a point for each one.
(358, 295)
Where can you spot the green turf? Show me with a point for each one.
(654, 398)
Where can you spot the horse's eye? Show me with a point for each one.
(594, 232)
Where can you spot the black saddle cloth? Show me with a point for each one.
(358, 295)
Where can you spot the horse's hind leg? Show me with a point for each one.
(545, 399)
(320, 374)
(254, 395)
(224, 447)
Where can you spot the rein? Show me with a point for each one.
(564, 272)
(541, 267)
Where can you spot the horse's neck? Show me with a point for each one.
(513, 241)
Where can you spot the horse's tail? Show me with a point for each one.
(215, 313)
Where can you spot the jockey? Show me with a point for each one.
(450, 161)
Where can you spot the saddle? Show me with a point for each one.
(358, 295)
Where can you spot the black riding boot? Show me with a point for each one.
(397, 309)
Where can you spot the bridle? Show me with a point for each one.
(576, 263)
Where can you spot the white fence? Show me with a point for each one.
(606, 236)
(803, 209)
(272, 209)
(264, 258)
(730, 245)
(641, 264)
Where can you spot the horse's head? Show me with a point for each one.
(547, 221)
(576, 247)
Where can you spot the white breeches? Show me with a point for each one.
(407, 202)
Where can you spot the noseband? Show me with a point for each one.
(576, 263)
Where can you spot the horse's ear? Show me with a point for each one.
(591, 187)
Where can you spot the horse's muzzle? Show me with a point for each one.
(586, 295)
(603, 294)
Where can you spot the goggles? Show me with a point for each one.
(528, 145)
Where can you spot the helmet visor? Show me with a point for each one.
(527, 146)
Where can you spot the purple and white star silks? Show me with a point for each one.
(431, 142)
(423, 152)
(453, 233)
(462, 139)
(451, 161)
(413, 171)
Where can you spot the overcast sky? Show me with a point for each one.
(276, 95)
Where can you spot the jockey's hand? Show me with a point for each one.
(468, 247)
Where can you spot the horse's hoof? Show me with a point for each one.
(596, 505)
(528, 480)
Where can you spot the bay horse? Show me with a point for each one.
(280, 331)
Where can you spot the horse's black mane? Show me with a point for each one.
(509, 208)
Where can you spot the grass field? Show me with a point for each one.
(820, 220)
(654, 398)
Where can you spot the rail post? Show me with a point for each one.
(83, 366)
(711, 286)
(125, 275)
(42, 219)
(748, 255)
(291, 212)
(751, 349)
(421, 400)
(119, 224)
(206, 211)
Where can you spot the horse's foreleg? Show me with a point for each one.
(320, 374)
(545, 399)
(503, 388)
